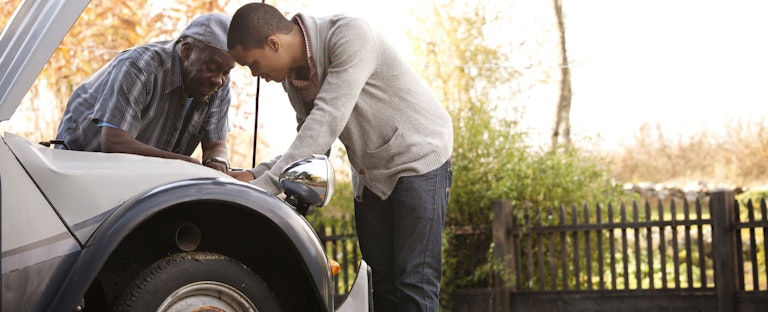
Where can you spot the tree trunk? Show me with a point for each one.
(561, 132)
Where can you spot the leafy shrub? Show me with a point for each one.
(502, 165)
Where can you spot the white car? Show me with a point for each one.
(87, 231)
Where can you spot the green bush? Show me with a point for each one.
(502, 165)
(755, 196)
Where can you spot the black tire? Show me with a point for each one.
(186, 281)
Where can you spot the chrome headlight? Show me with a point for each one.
(308, 182)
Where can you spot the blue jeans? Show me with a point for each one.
(401, 239)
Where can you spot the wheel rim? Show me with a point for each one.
(206, 296)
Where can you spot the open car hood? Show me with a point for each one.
(27, 42)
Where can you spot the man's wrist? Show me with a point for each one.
(217, 159)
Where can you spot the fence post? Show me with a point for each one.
(503, 252)
(722, 204)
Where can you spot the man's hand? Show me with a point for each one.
(215, 155)
(217, 166)
(244, 175)
(217, 163)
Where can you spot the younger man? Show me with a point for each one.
(345, 81)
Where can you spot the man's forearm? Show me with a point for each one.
(215, 155)
(114, 140)
(215, 149)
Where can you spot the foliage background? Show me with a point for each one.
(102, 31)
(469, 70)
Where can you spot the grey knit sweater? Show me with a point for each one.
(372, 101)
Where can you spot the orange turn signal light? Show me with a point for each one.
(333, 266)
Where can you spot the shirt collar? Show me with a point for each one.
(311, 64)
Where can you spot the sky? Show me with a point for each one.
(684, 64)
(687, 65)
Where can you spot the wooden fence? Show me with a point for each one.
(697, 257)
(708, 255)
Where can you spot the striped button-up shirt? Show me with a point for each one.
(141, 92)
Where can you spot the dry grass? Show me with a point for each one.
(735, 153)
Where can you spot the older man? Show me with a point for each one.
(158, 99)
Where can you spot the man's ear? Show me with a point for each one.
(186, 50)
(272, 43)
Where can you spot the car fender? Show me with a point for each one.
(124, 219)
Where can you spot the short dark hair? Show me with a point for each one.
(253, 23)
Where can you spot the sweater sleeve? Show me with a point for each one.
(264, 179)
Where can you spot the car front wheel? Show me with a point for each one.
(198, 281)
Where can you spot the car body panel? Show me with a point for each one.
(60, 174)
(36, 222)
(35, 243)
(30, 288)
(359, 296)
